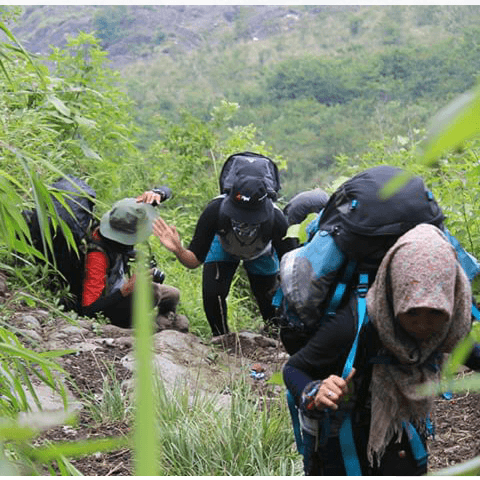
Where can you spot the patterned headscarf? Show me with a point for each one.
(420, 270)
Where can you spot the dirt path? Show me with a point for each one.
(106, 348)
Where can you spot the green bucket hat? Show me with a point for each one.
(128, 222)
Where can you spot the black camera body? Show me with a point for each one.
(157, 275)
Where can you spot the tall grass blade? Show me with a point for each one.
(145, 436)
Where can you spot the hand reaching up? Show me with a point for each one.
(168, 235)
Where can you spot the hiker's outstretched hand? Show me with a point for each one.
(332, 390)
(167, 234)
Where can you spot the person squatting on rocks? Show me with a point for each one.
(299, 206)
(419, 307)
(244, 225)
(106, 287)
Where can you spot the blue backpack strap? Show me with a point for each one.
(341, 288)
(347, 442)
(476, 315)
(362, 289)
(277, 298)
(475, 312)
(295, 421)
(418, 448)
(347, 446)
(469, 263)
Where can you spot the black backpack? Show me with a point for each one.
(351, 235)
(249, 164)
(80, 198)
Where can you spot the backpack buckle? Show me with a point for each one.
(362, 287)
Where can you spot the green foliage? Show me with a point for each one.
(113, 404)
(9, 13)
(300, 230)
(18, 365)
(316, 91)
(76, 122)
(310, 77)
(243, 438)
(453, 125)
(160, 37)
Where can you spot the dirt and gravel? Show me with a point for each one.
(457, 437)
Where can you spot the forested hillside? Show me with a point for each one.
(315, 81)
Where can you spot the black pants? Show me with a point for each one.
(120, 313)
(217, 278)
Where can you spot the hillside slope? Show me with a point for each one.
(132, 32)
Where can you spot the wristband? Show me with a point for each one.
(307, 401)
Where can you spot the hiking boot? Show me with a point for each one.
(180, 323)
(172, 321)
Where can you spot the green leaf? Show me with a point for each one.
(145, 437)
(293, 231)
(76, 449)
(276, 379)
(459, 385)
(460, 353)
(300, 230)
(453, 125)
(59, 105)
(394, 184)
(88, 152)
(84, 121)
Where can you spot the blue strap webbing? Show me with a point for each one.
(295, 421)
(476, 315)
(277, 298)
(475, 312)
(347, 445)
(418, 448)
(341, 287)
(347, 442)
(362, 289)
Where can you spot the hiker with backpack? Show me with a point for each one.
(418, 309)
(106, 287)
(304, 203)
(241, 225)
(326, 325)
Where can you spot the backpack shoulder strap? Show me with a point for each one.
(347, 443)
(362, 288)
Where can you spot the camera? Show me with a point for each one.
(157, 275)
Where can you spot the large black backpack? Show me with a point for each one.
(351, 235)
(80, 199)
(249, 164)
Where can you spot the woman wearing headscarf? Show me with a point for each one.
(419, 308)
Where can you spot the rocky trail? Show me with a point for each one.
(101, 350)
